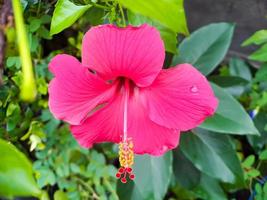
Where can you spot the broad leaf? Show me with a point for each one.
(238, 67)
(261, 74)
(168, 12)
(257, 38)
(210, 189)
(152, 179)
(16, 175)
(260, 55)
(230, 116)
(206, 47)
(167, 35)
(257, 142)
(228, 81)
(213, 154)
(186, 174)
(65, 14)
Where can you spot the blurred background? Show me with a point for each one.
(224, 158)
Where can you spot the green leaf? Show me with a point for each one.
(153, 175)
(35, 24)
(230, 116)
(16, 175)
(228, 81)
(11, 108)
(169, 13)
(265, 188)
(60, 195)
(257, 38)
(46, 176)
(206, 47)
(258, 188)
(263, 155)
(95, 16)
(65, 14)
(13, 61)
(260, 55)
(186, 174)
(257, 142)
(210, 189)
(249, 161)
(167, 35)
(238, 67)
(261, 74)
(253, 173)
(213, 154)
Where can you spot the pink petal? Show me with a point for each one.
(104, 126)
(148, 137)
(107, 126)
(133, 52)
(180, 98)
(74, 91)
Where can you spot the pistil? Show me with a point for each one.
(126, 153)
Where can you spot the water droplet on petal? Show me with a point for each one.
(194, 89)
(164, 148)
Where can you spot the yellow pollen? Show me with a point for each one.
(126, 154)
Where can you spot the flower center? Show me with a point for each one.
(126, 154)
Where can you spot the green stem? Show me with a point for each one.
(87, 186)
(101, 6)
(250, 186)
(109, 187)
(39, 7)
(122, 15)
(259, 164)
(28, 88)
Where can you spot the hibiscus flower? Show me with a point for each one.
(119, 93)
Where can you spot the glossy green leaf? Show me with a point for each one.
(210, 189)
(16, 175)
(186, 174)
(152, 179)
(206, 47)
(168, 12)
(213, 154)
(238, 67)
(167, 35)
(257, 38)
(228, 81)
(256, 141)
(260, 55)
(230, 116)
(65, 14)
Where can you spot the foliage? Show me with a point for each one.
(222, 156)
(15, 168)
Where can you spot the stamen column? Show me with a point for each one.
(126, 154)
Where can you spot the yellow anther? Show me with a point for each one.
(126, 154)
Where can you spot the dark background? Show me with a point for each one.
(248, 15)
